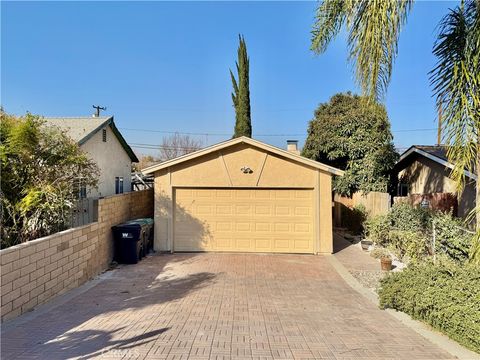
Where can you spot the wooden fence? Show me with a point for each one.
(375, 203)
(84, 211)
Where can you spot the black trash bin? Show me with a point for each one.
(131, 240)
(128, 244)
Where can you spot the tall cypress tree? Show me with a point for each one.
(241, 93)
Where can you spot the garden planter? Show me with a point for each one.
(366, 244)
(386, 263)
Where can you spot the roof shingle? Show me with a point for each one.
(78, 128)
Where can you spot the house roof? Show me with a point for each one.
(80, 129)
(249, 141)
(437, 153)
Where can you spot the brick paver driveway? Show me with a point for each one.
(218, 306)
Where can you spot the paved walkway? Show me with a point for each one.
(217, 306)
(352, 257)
(364, 268)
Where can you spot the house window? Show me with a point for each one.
(118, 185)
(83, 191)
(104, 135)
(402, 189)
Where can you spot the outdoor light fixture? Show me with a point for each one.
(246, 170)
(425, 203)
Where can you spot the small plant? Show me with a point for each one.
(379, 252)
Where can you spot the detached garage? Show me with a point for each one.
(243, 196)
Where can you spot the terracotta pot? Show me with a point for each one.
(386, 263)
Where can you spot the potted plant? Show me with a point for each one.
(366, 244)
(386, 262)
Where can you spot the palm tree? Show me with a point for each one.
(456, 85)
(373, 28)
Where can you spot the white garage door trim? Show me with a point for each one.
(258, 232)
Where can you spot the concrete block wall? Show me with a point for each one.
(36, 271)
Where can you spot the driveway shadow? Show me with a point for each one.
(340, 243)
(91, 323)
(86, 344)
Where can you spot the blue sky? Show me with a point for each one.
(164, 66)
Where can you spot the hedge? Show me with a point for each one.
(408, 231)
(446, 296)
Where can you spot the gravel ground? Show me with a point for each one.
(369, 278)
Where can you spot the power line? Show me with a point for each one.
(257, 135)
(175, 132)
(202, 134)
(414, 130)
(164, 147)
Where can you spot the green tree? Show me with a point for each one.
(241, 93)
(373, 31)
(352, 135)
(41, 171)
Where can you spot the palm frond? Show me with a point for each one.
(373, 31)
(456, 84)
(455, 80)
(329, 19)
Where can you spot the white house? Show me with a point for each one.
(100, 138)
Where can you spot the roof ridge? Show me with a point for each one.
(77, 117)
(242, 139)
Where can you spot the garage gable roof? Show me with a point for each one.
(249, 141)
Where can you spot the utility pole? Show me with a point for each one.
(98, 108)
(439, 129)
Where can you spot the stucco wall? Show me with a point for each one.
(222, 169)
(426, 176)
(112, 160)
(36, 271)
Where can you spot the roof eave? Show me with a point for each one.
(109, 121)
(414, 149)
(94, 131)
(123, 142)
(239, 140)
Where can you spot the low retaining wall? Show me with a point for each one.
(36, 271)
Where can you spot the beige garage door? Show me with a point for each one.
(244, 220)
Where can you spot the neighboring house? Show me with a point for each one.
(100, 138)
(242, 195)
(425, 170)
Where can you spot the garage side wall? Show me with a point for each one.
(241, 166)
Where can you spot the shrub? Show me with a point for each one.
(450, 238)
(407, 230)
(408, 218)
(411, 245)
(445, 295)
(353, 218)
(377, 228)
(41, 168)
